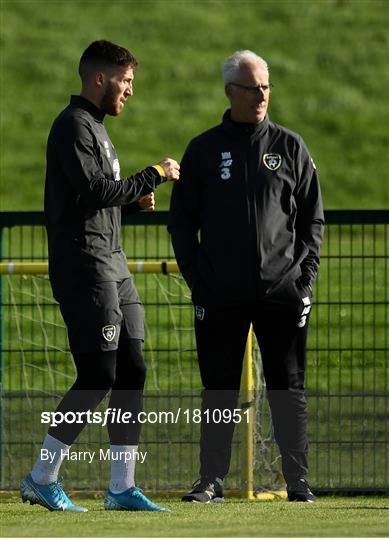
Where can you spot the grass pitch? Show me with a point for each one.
(329, 517)
(328, 62)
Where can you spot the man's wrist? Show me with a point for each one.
(160, 169)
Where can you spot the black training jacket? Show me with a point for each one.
(252, 191)
(84, 193)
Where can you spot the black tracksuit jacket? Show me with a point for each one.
(84, 196)
(253, 194)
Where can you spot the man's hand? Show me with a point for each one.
(147, 202)
(171, 168)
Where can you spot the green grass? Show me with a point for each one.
(329, 517)
(328, 61)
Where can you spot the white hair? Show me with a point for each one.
(232, 65)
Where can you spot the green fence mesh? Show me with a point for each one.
(347, 375)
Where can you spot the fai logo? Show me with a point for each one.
(109, 332)
(272, 161)
(225, 165)
(200, 312)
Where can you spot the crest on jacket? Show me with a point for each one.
(272, 161)
(109, 332)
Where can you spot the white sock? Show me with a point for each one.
(122, 469)
(44, 472)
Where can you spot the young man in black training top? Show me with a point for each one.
(251, 189)
(85, 195)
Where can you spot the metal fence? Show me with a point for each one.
(347, 374)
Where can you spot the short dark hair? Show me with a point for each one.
(103, 54)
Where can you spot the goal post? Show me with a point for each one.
(36, 267)
(249, 432)
(247, 427)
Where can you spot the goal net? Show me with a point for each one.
(37, 369)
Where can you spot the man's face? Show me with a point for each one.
(249, 102)
(118, 88)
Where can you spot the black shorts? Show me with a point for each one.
(97, 315)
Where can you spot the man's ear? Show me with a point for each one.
(228, 90)
(99, 79)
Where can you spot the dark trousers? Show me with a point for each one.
(221, 335)
(122, 371)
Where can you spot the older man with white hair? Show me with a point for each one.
(251, 189)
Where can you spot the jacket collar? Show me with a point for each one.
(83, 103)
(240, 129)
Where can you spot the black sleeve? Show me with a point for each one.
(310, 216)
(77, 155)
(132, 208)
(184, 217)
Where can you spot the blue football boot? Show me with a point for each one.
(132, 499)
(51, 496)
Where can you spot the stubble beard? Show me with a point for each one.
(108, 102)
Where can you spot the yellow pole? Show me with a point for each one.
(247, 425)
(247, 431)
(148, 267)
